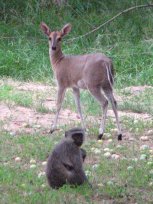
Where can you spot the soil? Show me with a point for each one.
(17, 119)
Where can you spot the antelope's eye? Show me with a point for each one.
(50, 38)
(59, 39)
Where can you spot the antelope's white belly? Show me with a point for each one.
(80, 84)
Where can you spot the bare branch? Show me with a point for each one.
(110, 20)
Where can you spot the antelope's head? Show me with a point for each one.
(55, 37)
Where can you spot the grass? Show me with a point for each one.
(110, 179)
(42, 109)
(8, 94)
(11, 95)
(127, 40)
(24, 56)
(140, 103)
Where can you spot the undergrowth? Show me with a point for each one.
(127, 39)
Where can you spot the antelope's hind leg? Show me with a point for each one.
(110, 96)
(97, 93)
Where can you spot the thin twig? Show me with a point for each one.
(110, 20)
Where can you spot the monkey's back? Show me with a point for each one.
(65, 165)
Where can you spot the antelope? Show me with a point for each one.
(93, 72)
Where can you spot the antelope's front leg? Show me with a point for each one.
(60, 97)
(76, 93)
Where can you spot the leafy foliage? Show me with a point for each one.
(128, 39)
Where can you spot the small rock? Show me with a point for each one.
(144, 138)
(44, 163)
(110, 183)
(43, 185)
(119, 146)
(114, 131)
(32, 161)
(106, 150)
(150, 163)
(17, 159)
(129, 168)
(88, 173)
(55, 143)
(107, 135)
(107, 154)
(95, 166)
(124, 158)
(87, 130)
(41, 174)
(135, 159)
(151, 172)
(37, 126)
(151, 151)
(136, 121)
(32, 166)
(93, 149)
(100, 141)
(144, 147)
(115, 156)
(110, 140)
(12, 133)
(131, 139)
(100, 184)
(97, 151)
(131, 129)
(25, 125)
(150, 184)
(150, 132)
(143, 157)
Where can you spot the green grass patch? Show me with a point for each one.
(9, 94)
(111, 179)
(140, 103)
(127, 39)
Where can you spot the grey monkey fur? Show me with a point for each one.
(65, 162)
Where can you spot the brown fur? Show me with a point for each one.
(90, 71)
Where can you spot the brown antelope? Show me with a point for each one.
(90, 71)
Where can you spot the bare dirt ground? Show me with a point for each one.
(17, 119)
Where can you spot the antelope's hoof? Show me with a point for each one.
(120, 137)
(100, 136)
(51, 131)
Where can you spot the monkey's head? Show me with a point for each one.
(77, 134)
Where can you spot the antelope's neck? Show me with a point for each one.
(55, 57)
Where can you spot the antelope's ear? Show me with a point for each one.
(66, 29)
(45, 28)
